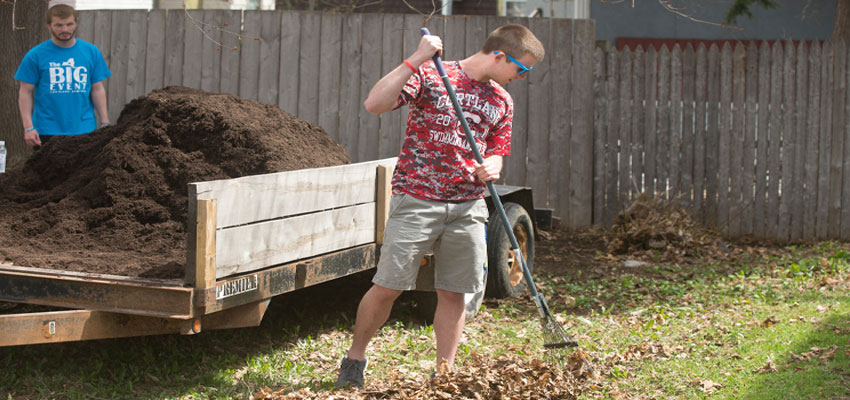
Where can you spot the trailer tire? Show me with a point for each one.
(505, 278)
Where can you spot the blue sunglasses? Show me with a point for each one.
(513, 60)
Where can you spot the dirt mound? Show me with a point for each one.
(115, 201)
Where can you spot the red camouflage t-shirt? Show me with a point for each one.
(436, 162)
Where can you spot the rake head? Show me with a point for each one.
(554, 336)
(557, 342)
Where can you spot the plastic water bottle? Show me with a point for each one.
(2, 157)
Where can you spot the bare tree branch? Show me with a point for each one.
(201, 24)
(428, 16)
(680, 11)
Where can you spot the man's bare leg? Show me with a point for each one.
(372, 313)
(448, 324)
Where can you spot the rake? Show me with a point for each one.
(554, 336)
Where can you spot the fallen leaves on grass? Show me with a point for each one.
(823, 353)
(767, 323)
(707, 386)
(767, 368)
(840, 330)
(479, 377)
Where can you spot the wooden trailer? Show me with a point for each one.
(250, 239)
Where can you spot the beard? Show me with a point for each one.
(64, 36)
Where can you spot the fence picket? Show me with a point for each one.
(309, 57)
(370, 72)
(725, 139)
(211, 51)
(249, 61)
(813, 130)
(838, 84)
(612, 203)
(600, 112)
(581, 114)
(560, 127)
(539, 83)
(391, 123)
(625, 107)
(154, 51)
(761, 176)
(638, 120)
(748, 184)
(662, 124)
(712, 141)
(270, 58)
(120, 63)
(289, 64)
(231, 51)
(138, 31)
(650, 149)
(675, 121)
(798, 224)
(175, 27)
(686, 173)
(736, 140)
(329, 71)
(349, 90)
(781, 163)
(700, 133)
(824, 153)
(193, 39)
(785, 182)
(845, 131)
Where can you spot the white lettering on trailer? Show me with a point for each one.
(239, 286)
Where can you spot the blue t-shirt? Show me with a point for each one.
(63, 78)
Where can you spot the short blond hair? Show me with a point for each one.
(60, 11)
(515, 40)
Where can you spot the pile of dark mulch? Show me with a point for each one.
(115, 201)
(480, 377)
(654, 223)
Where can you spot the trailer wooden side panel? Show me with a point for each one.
(267, 220)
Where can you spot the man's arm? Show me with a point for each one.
(25, 105)
(384, 95)
(98, 98)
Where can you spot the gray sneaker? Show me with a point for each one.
(351, 373)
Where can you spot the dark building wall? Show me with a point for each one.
(793, 19)
(425, 7)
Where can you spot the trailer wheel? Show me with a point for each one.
(505, 277)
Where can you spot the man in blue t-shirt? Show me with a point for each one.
(62, 82)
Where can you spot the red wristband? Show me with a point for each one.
(409, 65)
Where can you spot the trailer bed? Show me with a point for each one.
(250, 239)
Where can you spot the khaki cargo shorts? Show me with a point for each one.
(455, 232)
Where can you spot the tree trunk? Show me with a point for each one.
(841, 29)
(18, 34)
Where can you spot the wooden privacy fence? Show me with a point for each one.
(752, 139)
(320, 67)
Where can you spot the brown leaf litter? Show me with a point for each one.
(655, 223)
(479, 377)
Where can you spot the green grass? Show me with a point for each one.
(764, 327)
